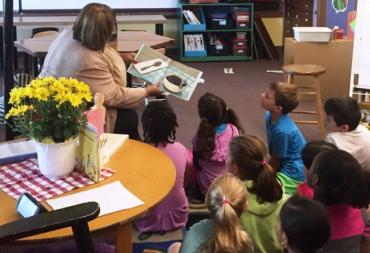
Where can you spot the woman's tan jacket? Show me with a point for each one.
(104, 72)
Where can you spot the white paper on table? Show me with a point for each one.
(112, 197)
(16, 148)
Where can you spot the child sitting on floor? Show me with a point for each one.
(309, 152)
(304, 226)
(247, 160)
(226, 200)
(159, 129)
(343, 117)
(341, 185)
(285, 140)
(218, 125)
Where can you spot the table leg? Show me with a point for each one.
(159, 29)
(26, 63)
(124, 238)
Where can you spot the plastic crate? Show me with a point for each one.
(312, 34)
(200, 53)
(240, 43)
(239, 50)
(196, 27)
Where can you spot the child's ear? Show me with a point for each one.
(278, 108)
(344, 128)
(234, 169)
(315, 179)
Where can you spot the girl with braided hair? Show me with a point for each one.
(247, 160)
(159, 124)
(218, 125)
(226, 200)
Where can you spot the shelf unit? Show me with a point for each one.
(202, 11)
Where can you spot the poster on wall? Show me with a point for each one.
(337, 13)
(339, 5)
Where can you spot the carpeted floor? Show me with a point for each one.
(240, 90)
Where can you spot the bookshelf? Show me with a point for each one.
(224, 31)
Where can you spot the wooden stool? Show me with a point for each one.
(313, 90)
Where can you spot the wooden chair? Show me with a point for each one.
(22, 79)
(76, 216)
(311, 90)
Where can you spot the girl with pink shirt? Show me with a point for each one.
(159, 129)
(218, 125)
(341, 185)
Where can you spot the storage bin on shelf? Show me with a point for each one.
(240, 42)
(196, 27)
(219, 21)
(241, 17)
(200, 53)
(312, 34)
(239, 46)
(194, 45)
(237, 50)
(218, 45)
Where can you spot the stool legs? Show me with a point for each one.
(290, 78)
(319, 107)
(318, 101)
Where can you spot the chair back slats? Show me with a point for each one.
(77, 215)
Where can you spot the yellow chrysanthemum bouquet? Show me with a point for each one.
(49, 109)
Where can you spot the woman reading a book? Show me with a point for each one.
(83, 53)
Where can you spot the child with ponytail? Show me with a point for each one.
(218, 125)
(247, 160)
(226, 201)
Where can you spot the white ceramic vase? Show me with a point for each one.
(56, 160)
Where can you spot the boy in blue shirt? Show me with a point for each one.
(285, 140)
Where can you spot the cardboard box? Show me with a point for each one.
(335, 56)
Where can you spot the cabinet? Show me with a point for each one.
(224, 31)
(335, 56)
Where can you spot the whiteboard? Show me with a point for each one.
(114, 4)
(361, 48)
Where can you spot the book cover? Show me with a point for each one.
(95, 150)
(190, 75)
(88, 158)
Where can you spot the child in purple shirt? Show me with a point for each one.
(218, 125)
(159, 129)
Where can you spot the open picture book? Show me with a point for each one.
(174, 78)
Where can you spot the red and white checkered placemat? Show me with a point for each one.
(25, 176)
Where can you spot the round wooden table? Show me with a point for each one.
(142, 169)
